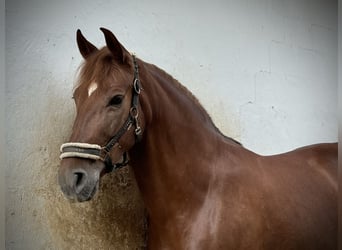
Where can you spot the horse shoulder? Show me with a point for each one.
(231, 215)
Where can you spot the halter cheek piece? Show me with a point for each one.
(97, 152)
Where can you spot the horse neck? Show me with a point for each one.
(174, 159)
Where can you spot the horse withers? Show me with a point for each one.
(202, 190)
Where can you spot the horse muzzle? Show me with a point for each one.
(79, 183)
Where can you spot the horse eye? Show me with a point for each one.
(116, 100)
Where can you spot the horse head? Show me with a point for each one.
(108, 119)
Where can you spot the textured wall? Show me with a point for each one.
(2, 124)
(265, 70)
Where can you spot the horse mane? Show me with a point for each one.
(195, 100)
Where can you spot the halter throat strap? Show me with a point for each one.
(97, 152)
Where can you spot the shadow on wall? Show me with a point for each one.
(114, 219)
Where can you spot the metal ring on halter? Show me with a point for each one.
(136, 85)
(134, 112)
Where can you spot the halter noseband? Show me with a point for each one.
(97, 152)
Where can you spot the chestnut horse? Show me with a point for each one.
(201, 189)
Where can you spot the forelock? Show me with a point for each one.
(97, 68)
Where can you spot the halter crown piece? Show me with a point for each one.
(97, 152)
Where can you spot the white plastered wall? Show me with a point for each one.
(265, 70)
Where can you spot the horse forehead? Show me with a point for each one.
(92, 87)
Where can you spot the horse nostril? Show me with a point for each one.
(79, 180)
(79, 177)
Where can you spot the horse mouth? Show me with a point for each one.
(87, 193)
(80, 195)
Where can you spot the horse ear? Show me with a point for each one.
(118, 51)
(85, 47)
